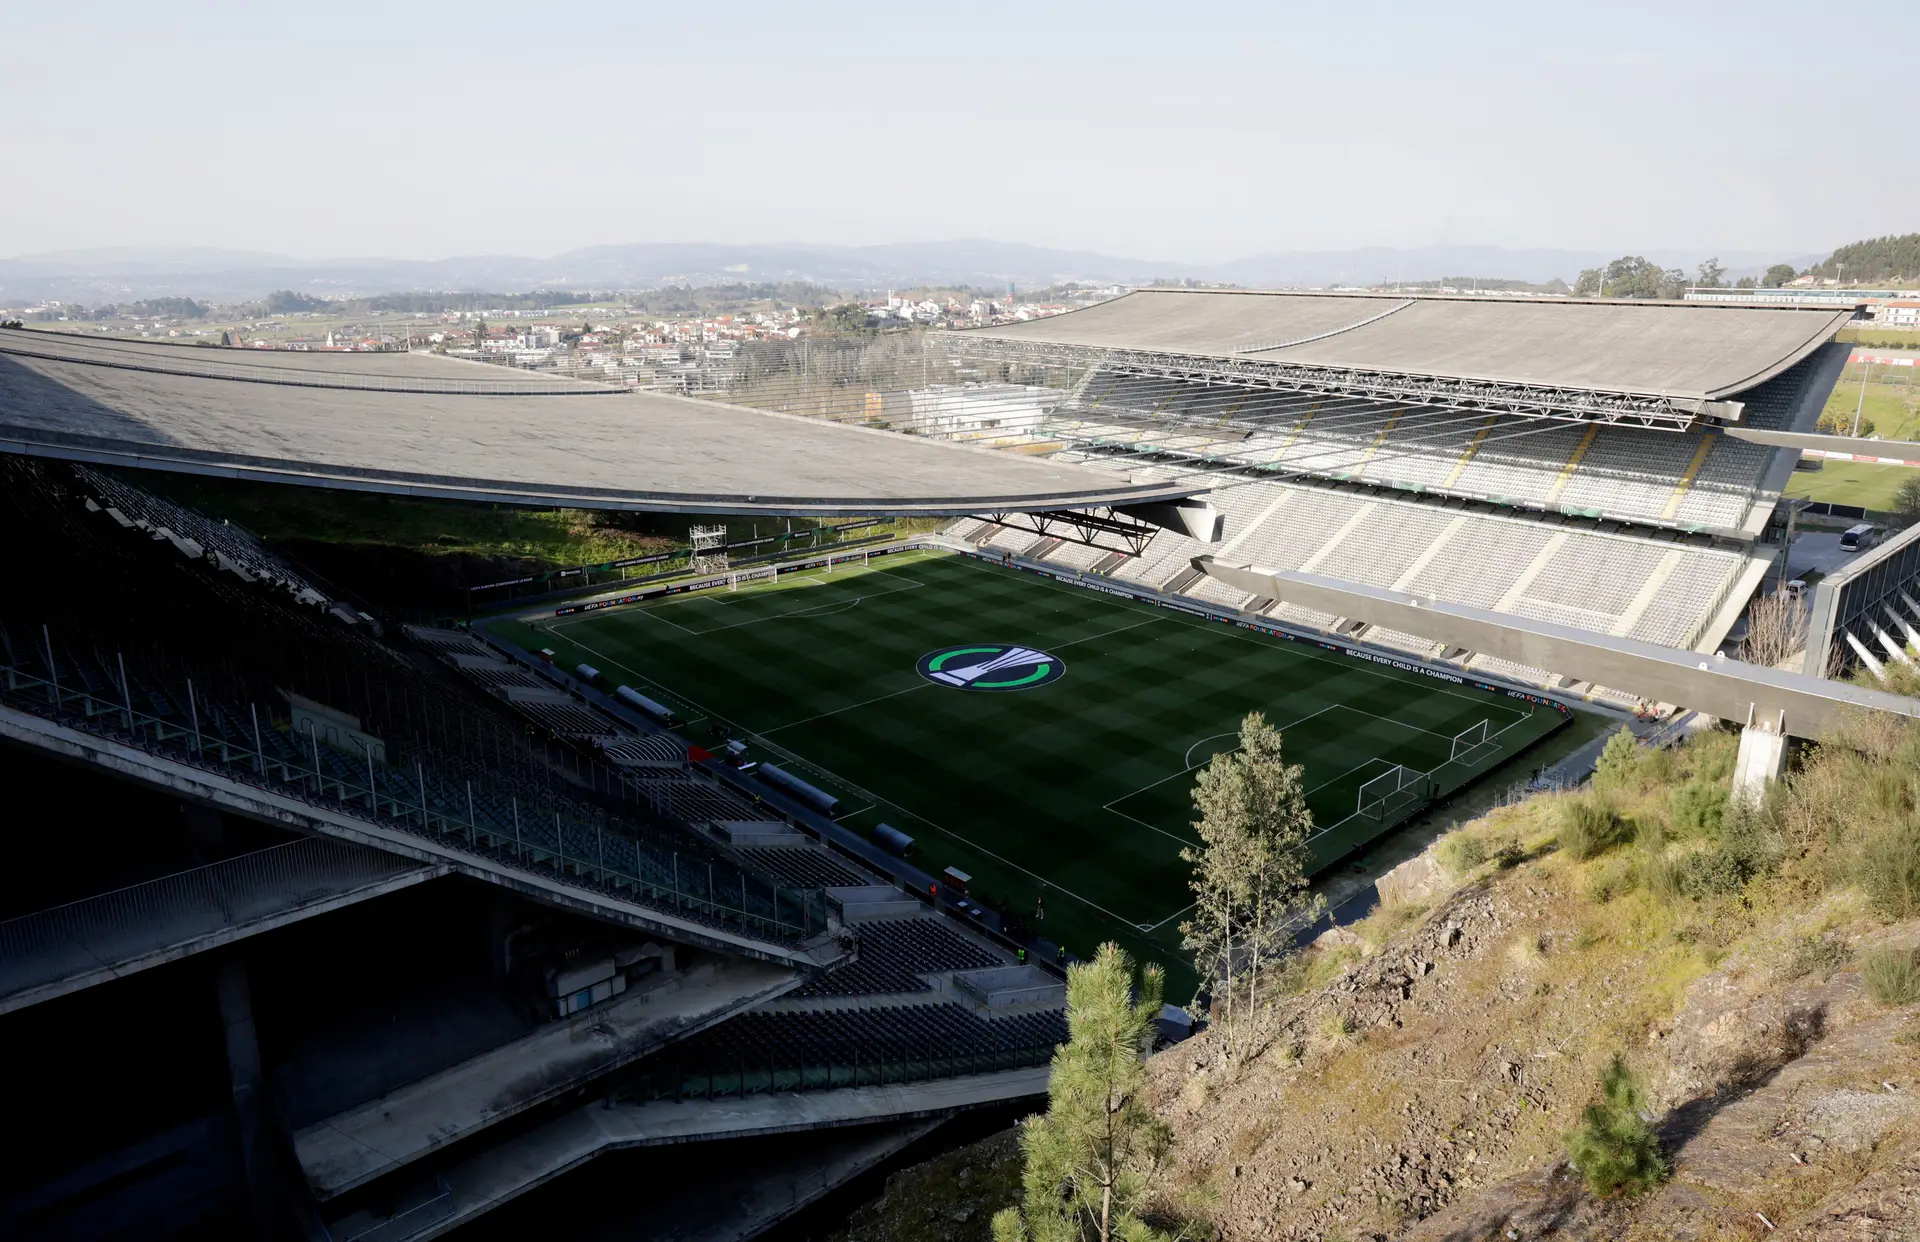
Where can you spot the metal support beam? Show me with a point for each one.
(1790, 703)
(1892, 452)
(1527, 400)
(1106, 529)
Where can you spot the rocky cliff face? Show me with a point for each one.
(1421, 1086)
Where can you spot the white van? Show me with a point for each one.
(1859, 538)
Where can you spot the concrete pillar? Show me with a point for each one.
(1866, 657)
(1913, 638)
(1761, 760)
(249, 1090)
(1886, 640)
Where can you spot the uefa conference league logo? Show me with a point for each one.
(993, 666)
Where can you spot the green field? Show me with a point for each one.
(1077, 788)
(1850, 483)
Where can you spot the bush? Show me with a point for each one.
(1892, 976)
(1613, 1147)
(1806, 955)
(1616, 879)
(1697, 808)
(1463, 852)
(1620, 763)
(1886, 866)
(1746, 846)
(1589, 827)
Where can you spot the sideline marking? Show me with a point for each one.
(922, 685)
(1397, 723)
(1108, 806)
(794, 614)
(1090, 604)
(1108, 633)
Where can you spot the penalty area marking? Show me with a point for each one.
(795, 614)
(1190, 765)
(1292, 724)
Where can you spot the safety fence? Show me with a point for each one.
(478, 811)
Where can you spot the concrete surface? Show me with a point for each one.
(489, 1178)
(58, 951)
(195, 410)
(737, 1202)
(1815, 552)
(385, 1134)
(216, 789)
(1694, 351)
(1805, 706)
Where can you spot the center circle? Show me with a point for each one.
(991, 666)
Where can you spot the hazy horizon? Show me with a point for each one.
(1193, 138)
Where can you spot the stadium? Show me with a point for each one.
(558, 913)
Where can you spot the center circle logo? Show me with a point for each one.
(992, 666)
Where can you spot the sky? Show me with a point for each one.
(1180, 132)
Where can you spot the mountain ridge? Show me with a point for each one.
(122, 273)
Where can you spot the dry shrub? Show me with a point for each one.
(1885, 862)
(1801, 956)
(1892, 976)
(1589, 826)
(1386, 922)
(1462, 853)
(1615, 878)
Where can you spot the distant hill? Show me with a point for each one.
(125, 274)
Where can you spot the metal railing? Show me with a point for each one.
(712, 1079)
(468, 812)
(405, 1224)
(115, 927)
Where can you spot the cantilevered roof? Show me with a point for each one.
(434, 426)
(1682, 351)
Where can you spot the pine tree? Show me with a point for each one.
(1249, 879)
(1087, 1156)
(1614, 1148)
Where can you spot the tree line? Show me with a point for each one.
(1881, 260)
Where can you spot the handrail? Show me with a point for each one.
(414, 1220)
(113, 927)
(713, 1078)
(409, 802)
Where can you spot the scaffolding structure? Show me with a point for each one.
(709, 546)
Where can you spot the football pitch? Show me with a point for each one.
(1067, 772)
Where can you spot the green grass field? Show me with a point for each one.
(1850, 483)
(1078, 788)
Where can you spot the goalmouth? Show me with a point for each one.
(1393, 791)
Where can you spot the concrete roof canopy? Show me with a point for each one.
(419, 424)
(1695, 351)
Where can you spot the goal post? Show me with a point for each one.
(1473, 743)
(1393, 790)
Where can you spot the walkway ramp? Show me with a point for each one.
(489, 1178)
(385, 1134)
(54, 952)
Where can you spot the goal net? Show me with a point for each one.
(1393, 790)
(1473, 743)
